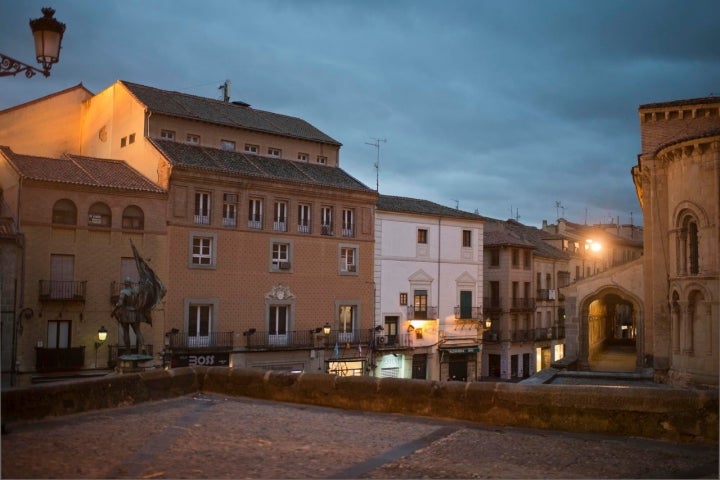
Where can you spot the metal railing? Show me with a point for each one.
(522, 304)
(492, 303)
(469, 313)
(59, 359)
(212, 340)
(414, 313)
(62, 290)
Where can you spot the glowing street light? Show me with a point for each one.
(48, 34)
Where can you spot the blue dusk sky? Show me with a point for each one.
(504, 107)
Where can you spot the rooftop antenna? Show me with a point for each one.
(376, 144)
(225, 87)
(559, 206)
(517, 215)
(457, 203)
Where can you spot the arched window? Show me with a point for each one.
(133, 218)
(688, 254)
(64, 212)
(99, 215)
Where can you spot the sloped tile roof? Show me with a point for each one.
(209, 110)
(238, 163)
(391, 203)
(513, 233)
(80, 170)
(680, 103)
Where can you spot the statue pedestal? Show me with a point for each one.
(129, 363)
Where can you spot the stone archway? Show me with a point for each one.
(610, 330)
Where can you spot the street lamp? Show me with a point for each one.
(48, 34)
(102, 336)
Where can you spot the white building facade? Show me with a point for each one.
(429, 291)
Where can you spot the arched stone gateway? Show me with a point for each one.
(610, 330)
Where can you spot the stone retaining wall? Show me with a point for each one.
(660, 413)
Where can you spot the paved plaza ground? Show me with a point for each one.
(214, 436)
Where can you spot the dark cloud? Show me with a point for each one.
(486, 104)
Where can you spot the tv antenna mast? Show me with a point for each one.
(376, 144)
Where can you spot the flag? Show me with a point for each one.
(151, 290)
(336, 351)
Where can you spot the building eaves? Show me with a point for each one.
(680, 103)
(391, 203)
(80, 170)
(46, 97)
(236, 115)
(244, 164)
(708, 134)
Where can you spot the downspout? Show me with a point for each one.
(19, 289)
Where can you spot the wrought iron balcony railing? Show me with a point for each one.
(492, 304)
(62, 290)
(468, 313)
(522, 304)
(211, 341)
(421, 313)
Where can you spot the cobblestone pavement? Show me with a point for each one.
(213, 436)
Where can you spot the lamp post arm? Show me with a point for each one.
(10, 66)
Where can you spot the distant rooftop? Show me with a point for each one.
(423, 207)
(679, 103)
(236, 115)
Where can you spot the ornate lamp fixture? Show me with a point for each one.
(48, 34)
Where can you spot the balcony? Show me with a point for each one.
(523, 335)
(255, 222)
(383, 342)
(59, 359)
(210, 341)
(468, 313)
(62, 290)
(327, 229)
(421, 313)
(304, 339)
(280, 226)
(491, 336)
(550, 333)
(492, 304)
(522, 304)
(115, 351)
(348, 230)
(230, 222)
(304, 227)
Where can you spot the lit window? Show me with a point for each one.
(167, 134)
(194, 139)
(251, 148)
(346, 322)
(274, 152)
(403, 298)
(227, 145)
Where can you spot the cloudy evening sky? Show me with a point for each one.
(489, 105)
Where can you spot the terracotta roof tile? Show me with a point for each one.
(424, 207)
(80, 170)
(225, 113)
(237, 163)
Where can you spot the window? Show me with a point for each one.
(420, 304)
(494, 294)
(58, 334)
(167, 134)
(280, 217)
(280, 255)
(467, 238)
(403, 298)
(62, 275)
(131, 138)
(229, 218)
(515, 257)
(321, 160)
(227, 145)
(278, 324)
(303, 157)
(194, 139)
(348, 259)
(304, 218)
(133, 218)
(99, 215)
(526, 259)
(199, 325)
(348, 225)
(251, 148)
(495, 257)
(326, 219)
(64, 212)
(202, 249)
(123, 142)
(255, 213)
(422, 236)
(274, 152)
(688, 247)
(346, 322)
(202, 208)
